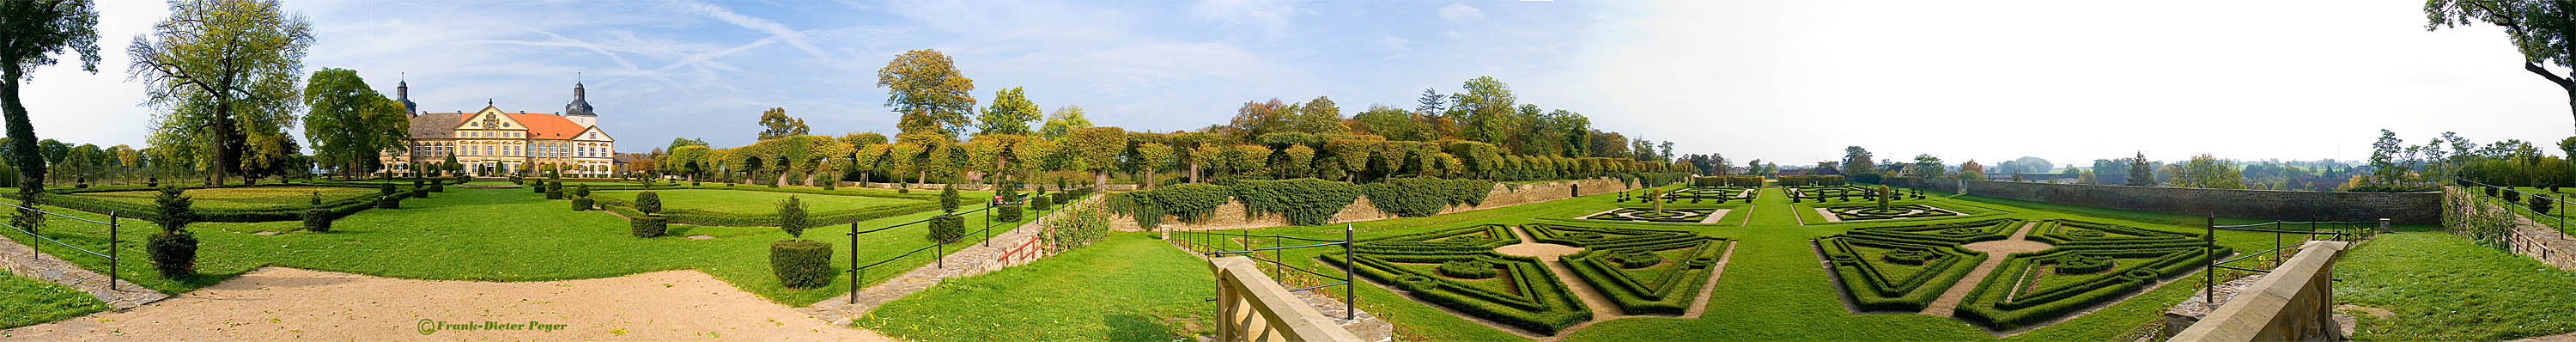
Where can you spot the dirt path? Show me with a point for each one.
(275, 304)
(1996, 252)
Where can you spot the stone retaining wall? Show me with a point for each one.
(2293, 303)
(2467, 212)
(2411, 207)
(1233, 216)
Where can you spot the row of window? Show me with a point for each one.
(488, 134)
(440, 149)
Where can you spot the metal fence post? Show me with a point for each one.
(854, 262)
(988, 225)
(2209, 275)
(112, 260)
(1350, 285)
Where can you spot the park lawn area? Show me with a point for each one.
(1772, 288)
(27, 301)
(2443, 287)
(756, 202)
(257, 197)
(1127, 287)
(502, 235)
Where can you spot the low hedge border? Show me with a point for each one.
(626, 207)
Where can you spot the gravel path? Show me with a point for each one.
(275, 304)
(1996, 252)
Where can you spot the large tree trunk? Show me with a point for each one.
(1149, 180)
(224, 154)
(22, 135)
(1099, 179)
(1194, 171)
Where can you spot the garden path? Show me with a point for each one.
(27, 262)
(276, 303)
(963, 260)
(1996, 252)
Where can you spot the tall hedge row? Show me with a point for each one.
(1303, 201)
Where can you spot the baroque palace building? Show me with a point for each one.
(491, 142)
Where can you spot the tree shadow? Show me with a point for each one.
(1138, 328)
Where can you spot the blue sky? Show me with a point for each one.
(1784, 81)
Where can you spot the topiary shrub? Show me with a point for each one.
(2491, 191)
(317, 219)
(174, 250)
(2512, 197)
(389, 202)
(652, 223)
(419, 192)
(791, 217)
(801, 264)
(1041, 202)
(948, 227)
(1468, 269)
(581, 198)
(648, 202)
(387, 189)
(2540, 205)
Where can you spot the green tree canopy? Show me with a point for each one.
(36, 31)
(2539, 29)
(349, 122)
(1063, 122)
(1011, 113)
(225, 73)
(774, 124)
(925, 87)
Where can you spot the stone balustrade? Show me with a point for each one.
(2295, 302)
(1253, 307)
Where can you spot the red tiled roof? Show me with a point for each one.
(546, 126)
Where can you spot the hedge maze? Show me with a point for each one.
(1644, 271)
(1440, 267)
(1904, 268)
(1672, 215)
(2093, 263)
(1721, 194)
(1859, 212)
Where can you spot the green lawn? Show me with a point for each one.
(30, 301)
(260, 197)
(2446, 288)
(755, 202)
(1128, 287)
(501, 235)
(1774, 279)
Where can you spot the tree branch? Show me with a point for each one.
(2553, 78)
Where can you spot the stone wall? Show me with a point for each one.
(1233, 216)
(2293, 303)
(2414, 207)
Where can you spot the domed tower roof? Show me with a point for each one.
(580, 103)
(402, 93)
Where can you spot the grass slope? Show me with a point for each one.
(2447, 288)
(499, 235)
(25, 301)
(1123, 288)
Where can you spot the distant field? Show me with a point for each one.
(241, 198)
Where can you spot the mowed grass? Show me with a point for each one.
(1773, 289)
(2443, 287)
(25, 301)
(260, 197)
(501, 235)
(1127, 287)
(755, 202)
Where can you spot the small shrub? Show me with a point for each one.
(2491, 192)
(581, 204)
(317, 219)
(1041, 202)
(791, 217)
(1636, 259)
(649, 225)
(387, 189)
(389, 202)
(2512, 197)
(174, 250)
(419, 192)
(801, 264)
(1468, 269)
(949, 226)
(317, 199)
(828, 185)
(648, 202)
(2540, 205)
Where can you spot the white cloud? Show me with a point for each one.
(1394, 42)
(1270, 16)
(1460, 11)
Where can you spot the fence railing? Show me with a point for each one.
(2558, 205)
(2346, 231)
(939, 249)
(112, 224)
(1213, 244)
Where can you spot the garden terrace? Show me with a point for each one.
(1521, 293)
(1903, 268)
(1843, 193)
(1644, 271)
(1720, 194)
(1670, 215)
(1861, 212)
(252, 203)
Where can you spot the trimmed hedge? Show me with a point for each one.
(1469, 269)
(1425, 196)
(648, 226)
(801, 264)
(708, 218)
(1537, 302)
(1302, 201)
